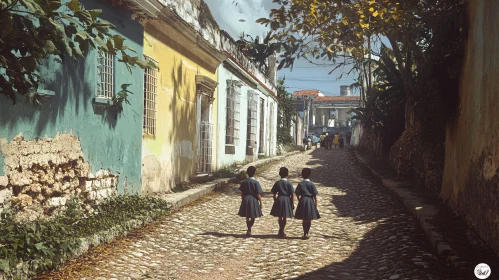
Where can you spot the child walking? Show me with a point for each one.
(283, 200)
(306, 193)
(250, 195)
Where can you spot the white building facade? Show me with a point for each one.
(247, 118)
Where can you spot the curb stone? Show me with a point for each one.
(180, 199)
(421, 210)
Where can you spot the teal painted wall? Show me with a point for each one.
(108, 140)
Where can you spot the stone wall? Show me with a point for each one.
(471, 173)
(43, 176)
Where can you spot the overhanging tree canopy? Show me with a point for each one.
(421, 34)
(32, 30)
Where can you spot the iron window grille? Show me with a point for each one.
(261, 148)
(233, 123)
(206, 155)
(252, 119)
(150, 99)
(105, 75)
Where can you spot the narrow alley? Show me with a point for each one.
(364, 233)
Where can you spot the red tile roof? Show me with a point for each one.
(308, 92)
(336, 98)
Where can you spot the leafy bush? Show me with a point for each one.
(51, 243)
(294, 147)
(227, 171)
(283, 136)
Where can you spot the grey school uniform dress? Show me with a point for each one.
(282, 205)
(306, 209)
(250, 207)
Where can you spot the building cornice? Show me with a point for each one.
(245, 71)
(156, 11)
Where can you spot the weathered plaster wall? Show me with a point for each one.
(272, 124)
(471, 174)
(197, 14)
(170, 156)
(42, 176)
(224, 159)
(269, 144)
(108, 140)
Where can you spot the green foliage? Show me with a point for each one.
(32, 30)
(227, 171)
(416, 75)
(242, 175)
(52, 242)
(286, 115)
(258, 51)
(283, 136)
(120, 97)
(290, 148)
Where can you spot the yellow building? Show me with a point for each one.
(179, 108)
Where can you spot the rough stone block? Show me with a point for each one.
(22, 200)
(57, 201)
(19, 179)
(36, 188)
(108, 183)
(11, 162)
(102, 194)
(4, 181)
(66, 186)
(92, 195)
(84, 169)
(99, 174)
(88, 186)
(57, 187)
(5, 195)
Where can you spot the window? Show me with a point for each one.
(232, 117)
(105, 75)
(150, 93)
(261, 149)
(252, 116)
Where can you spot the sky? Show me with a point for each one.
(304, 74)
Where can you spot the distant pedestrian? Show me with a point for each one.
(336, 140)
(326, 139)
(283, 200)
(348, 139)
(306, 193)
(341, 141)
(250, 196)
(322, 139)
(330, 141)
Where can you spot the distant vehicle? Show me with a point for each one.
(315, 139)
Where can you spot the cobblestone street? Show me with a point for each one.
(364, 233)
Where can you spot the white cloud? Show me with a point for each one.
(228, 16)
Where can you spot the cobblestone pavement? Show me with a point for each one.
(364, 233)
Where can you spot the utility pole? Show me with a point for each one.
(307, 102)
